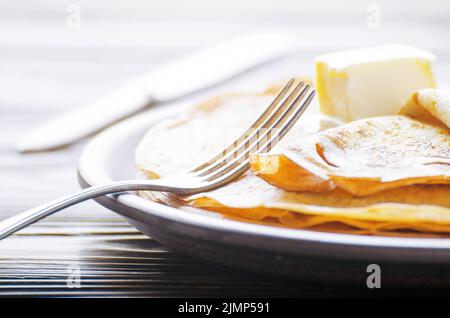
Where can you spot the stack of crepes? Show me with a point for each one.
(385, 175)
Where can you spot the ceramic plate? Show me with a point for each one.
(303, 254)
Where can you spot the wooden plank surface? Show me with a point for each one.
(47, 68)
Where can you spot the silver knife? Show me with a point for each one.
(189, 74)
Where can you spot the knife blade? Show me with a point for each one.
(201, 69)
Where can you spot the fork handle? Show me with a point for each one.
(23, 219)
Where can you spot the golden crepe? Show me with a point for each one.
(181, 143)
(429, 105)
(163, 151)
(362, 157)
(422, 208)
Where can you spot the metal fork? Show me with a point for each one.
(261, 136)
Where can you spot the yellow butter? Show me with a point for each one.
(371, 82)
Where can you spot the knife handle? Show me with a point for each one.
(91, 118)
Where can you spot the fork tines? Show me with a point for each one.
(284, 111)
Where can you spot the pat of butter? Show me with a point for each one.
(371, 82)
